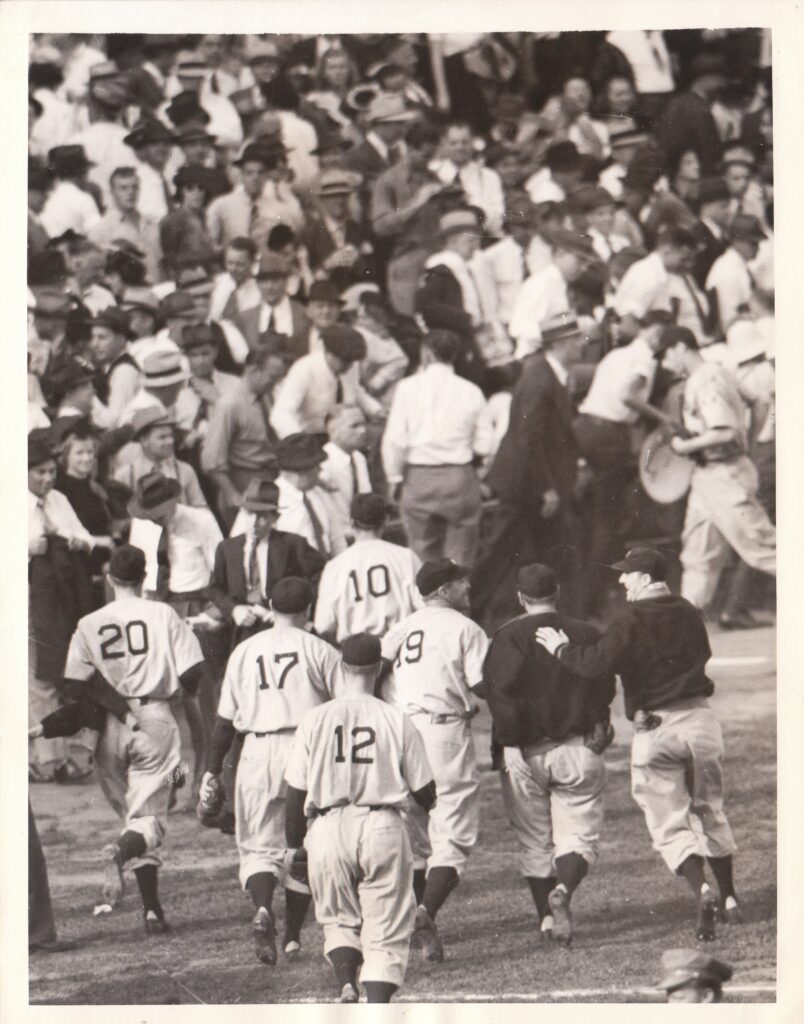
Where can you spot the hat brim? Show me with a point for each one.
(164, 381)
(138, 511)
(259, 506)
(301, 463)
(401, 118)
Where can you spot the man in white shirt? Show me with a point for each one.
(481, 185)
(436, 431)
(120, 376)
(345, 473)
(597, 206)
(152, 143)
(560, 174)
(69, 205)
(235, 291)
(730, 279)
(305, 508)
(647, 55)
(124, 221)
(318, 382)
(544, 294)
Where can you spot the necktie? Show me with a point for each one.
(253, 217)
(163, 567)
(253, 582)
(338, 391)
(657, 54)
(270, 436)
(269, 319)
(315, 522)
(47, 522)
(355, 478)
(703, 315)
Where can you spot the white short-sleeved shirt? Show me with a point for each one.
(368, 588)
(437, 657)
(644, 286)
(275, 677)
(357, 750)
(615, 374)
(711, 400)
(140, 647)
(542, 296)
(731, 281)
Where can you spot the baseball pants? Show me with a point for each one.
(556, 805)
(440, 509)
(677, 780)
(260, 792)
(723, 512)
(445, 836)
(361, 877)
(135, 771)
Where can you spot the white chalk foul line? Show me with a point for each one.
(747, 660)
(533, 997)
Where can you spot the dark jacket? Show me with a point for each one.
(248, 323)
(711, 248)
(365, 160)
(320, 246)
(530, 694)
(659, 648)
(439, 300)
(688, 124)
(539, 450)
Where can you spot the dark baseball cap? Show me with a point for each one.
(291, 596)
(536, 581)
(437, 572)
(361, 650)
(644, 559)
(368, 510)
(127, 564)
(344, 342)
(681, 966)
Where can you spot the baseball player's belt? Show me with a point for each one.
(321, 811)
(144, 701)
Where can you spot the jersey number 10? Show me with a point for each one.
(371, 738)
(378, 582)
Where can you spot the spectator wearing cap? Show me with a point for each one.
(690, 976)
(620, 390)
(39, 185)
(545, 293)
(371, 586)
(184, 229)
(481, 185)
(663, 280)
(730, 281)
(204, 387)
(338, 247)
(276, 312)
(152, 144)
(407, 201)
(69, 204)
(449, 296)
(437, 431)
(714, 214)
(388, 119)
(598, 208)
(561, 173)
(178, 310)
(123, 220)
(120, 377)
(248, 566)
(155, 437)
(345, 473)
(240, 442)
(318, 382)
(141, 306)
(59, 594)
(85, 264)
(283, 241)
(688, 123)
(624, 142)
(235, 290)
(192, 74)
(163, 376)
(534, 476)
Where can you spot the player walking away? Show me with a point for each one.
(554, 727)
(271, 681)
(354, 765)
(659, 648)
(148, 655)
(690, 976)
(371, 585)
(436, 660)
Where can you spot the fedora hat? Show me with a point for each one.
(261, 496)
(335, 183)
(388, 108)
(114, 318)
(68, 377)
(68, 159)
(324, 291)
(147, 133)
(563, 325)
(154, 495)
(344, 342)
(40, 447)
(163, 368)
(272, 265)
(151, 416)
(300, 451)
(140, 298)
(745, 228)
(185, 108)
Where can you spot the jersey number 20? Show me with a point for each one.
(369, 741)
(136, 639)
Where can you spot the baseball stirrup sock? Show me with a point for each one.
(571, 870)
(346, 962)
(540, 889)
(379, 991)
(722, 869)
(440, 883)
(419, 883)
(148, 880)
(261, 889)
(296, 904)
(693, 870)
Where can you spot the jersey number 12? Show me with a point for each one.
(369, 741)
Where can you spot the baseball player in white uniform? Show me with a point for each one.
(148, 655)
(371, 585)
(272, 679)
(436, 657)
(355, 762)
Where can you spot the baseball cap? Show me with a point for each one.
(361, 650)
(368, 510)
(344, 342)
(291, 595)
(127, 564)
(680, 966)
(644, 559)
(536, 581)
(438, 572)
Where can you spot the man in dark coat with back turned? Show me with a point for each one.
(534, 476)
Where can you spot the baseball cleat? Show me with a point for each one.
(427, 937)
(707, 913)
(155, 924)
(348, 994)
(562, 919)
(113, 885)
(262, 928)
(731, 911)
(546, 928)
(292, 950)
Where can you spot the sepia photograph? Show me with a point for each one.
(401, 517)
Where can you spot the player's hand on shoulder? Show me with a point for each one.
(243, 615)
(551, 639)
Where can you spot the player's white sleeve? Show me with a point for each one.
(184, 643)
(79, 658)
(298, 762)
(475, 648)
(415, 600)
(227, 704)
(416, 769)
(392, 641)
(325, 622)
(330, 669)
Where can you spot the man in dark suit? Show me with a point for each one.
(714, 211)
(336, 244)
(277, 313)
(688, 123)
(535, 476)
(388, 119)
(249, 566)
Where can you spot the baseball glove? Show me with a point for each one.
(210, 802)
(295, 876)
(600, 737)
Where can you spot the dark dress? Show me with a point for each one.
(90, 505)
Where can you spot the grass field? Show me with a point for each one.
(626, 913)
